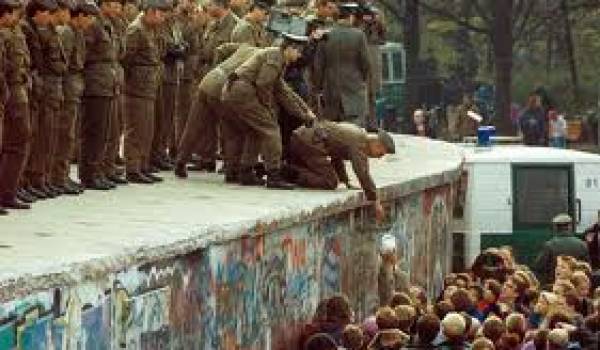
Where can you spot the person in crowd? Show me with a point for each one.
(392, 281)
(466, 126)
(564, 243)
(342, 70)
(532, 122)
(420, 125)
(251, 29)
(352, 338)
(557, 137)
(592, 238)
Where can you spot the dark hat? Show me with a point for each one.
(10, 3)
(87, 7)
(349, 8)
(263, 4)
(66, 4)
(41, 5)
(164, 5)
(387, 141)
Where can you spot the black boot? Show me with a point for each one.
(36, 192)
(181, 170)
(117, 180)
(139, 178)
(96, 184)
(13, 203)
(275, 180)
(71, 190)
(153, 177)
(232, 177)
(3, 212)
(247, 177)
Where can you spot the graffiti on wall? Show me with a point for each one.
(251, 293)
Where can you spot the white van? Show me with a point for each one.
(514, 191)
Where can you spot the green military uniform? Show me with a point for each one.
(217, 33)
(117, 117)
(14, 114)
(253, 34)
(257, 88)
(173, 47)
(142, 79)
(192, 33)
(98, 96)
(74, 48)
(317, 156)
(208, 102)
(49, 64)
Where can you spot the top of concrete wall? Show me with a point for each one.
(69, 240)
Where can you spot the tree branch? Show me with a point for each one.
(454, 18)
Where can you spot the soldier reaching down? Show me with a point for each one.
(317, 156)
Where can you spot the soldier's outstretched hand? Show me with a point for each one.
(379, 212)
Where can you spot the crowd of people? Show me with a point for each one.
(497, 304)
(128, 89)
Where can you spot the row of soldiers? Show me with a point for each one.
(171, 81)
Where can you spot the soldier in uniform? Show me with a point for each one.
(98, 96)
(239, 7)
(48, 65)
(317, 156)
(72, 31)
(254, 89)
(342, 70)
(174, 51)
(142, 79)
(251, 29)
(194, 22)
(113, 11)
(15, 132)
(131, 10)
(218, 32)
(208, 101)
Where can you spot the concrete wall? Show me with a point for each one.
(249, 293)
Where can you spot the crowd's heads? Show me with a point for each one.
(493, 328)
(338, 310)
(40, 11)
(399, 298)
(483, 344)
(292, 46)
(386, 318)
(352, 337)
(406, 315)
(217, 8)
(461, 300)
(454, 327)
(428, 327)
(558, 339)
(320, 341)
(259, 11)
(442, 308)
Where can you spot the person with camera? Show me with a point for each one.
(342, 69)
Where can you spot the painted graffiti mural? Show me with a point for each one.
(254, 292)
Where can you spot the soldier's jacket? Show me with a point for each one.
(100, 74)
(74, 47)
(217, 33)
(54, 66)
(263, 72)
(16, 64)
(213, 82)
(142, 61)
(3, 86)
(36, 55)
(192, 34)
(120, 30)
(170, 35)
(341, 141)
(250, 33)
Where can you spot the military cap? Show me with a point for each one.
(561, 219)
(10, 3)
(387, 141)
(41, 5)
(294, 39)
(349, 8)
(66, 4)
(87, 7)
(263, 4)
(163, 5)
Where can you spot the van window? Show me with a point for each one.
(385, 68)
(541, 193)
(397, 62)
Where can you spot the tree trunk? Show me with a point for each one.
(549, 42)
(502, 39)
(570, 49)
(412, 43)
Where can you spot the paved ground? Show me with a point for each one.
(73, 234)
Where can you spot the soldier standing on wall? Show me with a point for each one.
(15, 131)
(254, 88)
(98, 98)
(142, 77)
(342, 70)
(251, 29)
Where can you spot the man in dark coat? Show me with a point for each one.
(342, 70)
(565, 243)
